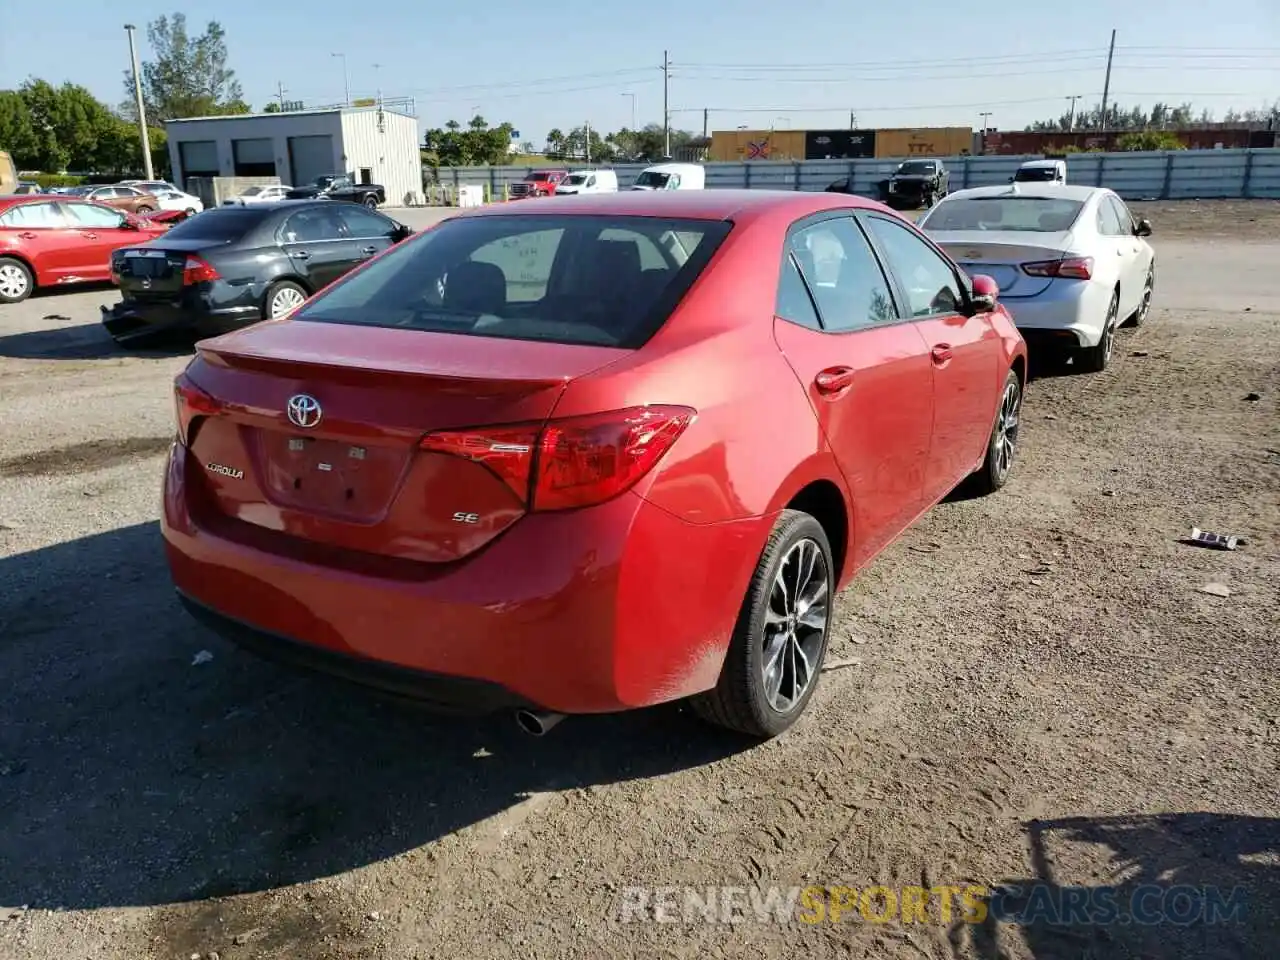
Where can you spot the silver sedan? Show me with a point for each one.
(1072, 262)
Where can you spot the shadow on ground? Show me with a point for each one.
(131, 776)
(1190, 886)
(86, 341)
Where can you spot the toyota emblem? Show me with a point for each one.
(304, 411)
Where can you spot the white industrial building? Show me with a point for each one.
(370, 143)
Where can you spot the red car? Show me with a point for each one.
(49, 240)
(591, 456)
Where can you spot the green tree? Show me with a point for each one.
(271, 107)
(1149, 140)
(477, 144)
(17, 131)
(186, 76)
(602, 150)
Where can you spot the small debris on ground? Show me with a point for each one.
(926, 547)
(854, 638)
(1140, 353)
(841, 663)
(1216, 589)
(375, 916)
(1050, 416)
(1253, 397)
(1214, 541)
(204, 656)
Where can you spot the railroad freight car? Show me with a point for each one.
(733, 146)
(924, 142)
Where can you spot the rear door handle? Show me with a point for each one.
(300, 255)
(89, 236)
(27, 235)
(941, 353)
(834, 379)
(369, 251)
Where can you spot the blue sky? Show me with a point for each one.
(753, 63)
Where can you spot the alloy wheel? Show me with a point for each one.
(1007, 428)
(285, 300)
(1147, 291)
(13, 282)
(1109, 332)
(795, 625)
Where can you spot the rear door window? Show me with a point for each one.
(89, 216)
(33, 216)
(602, 280)
(929, 281)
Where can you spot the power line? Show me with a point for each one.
(840, 108)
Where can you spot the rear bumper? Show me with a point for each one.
(443, 693)
(1069, 313)
(134, 319)
(606, 608)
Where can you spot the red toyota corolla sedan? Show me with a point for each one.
(591, 453)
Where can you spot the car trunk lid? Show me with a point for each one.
(158, 270)
(1000, 255)
(348, 468)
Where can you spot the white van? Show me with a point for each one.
(672, 176)
(1042, 171)
(588, 181)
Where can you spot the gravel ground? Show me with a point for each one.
(1031, 688)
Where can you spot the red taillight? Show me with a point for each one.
(191, 402)
(198, 270)
(573, 462)
(1072, 268)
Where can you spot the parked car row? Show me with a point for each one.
(503, 465)
(661, 176)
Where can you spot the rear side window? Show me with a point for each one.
(221, 225)
(28, 215)
(602, 280)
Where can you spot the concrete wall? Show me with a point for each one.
(213, 190)
(1175, 174)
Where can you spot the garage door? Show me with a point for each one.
(254, 158)
(310, 157)
(199, 158)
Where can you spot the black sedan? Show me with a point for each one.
(232, 266)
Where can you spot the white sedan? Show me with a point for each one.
(269, 193)
(1072, 262)
(177, 200)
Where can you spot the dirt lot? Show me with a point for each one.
(1035, 689)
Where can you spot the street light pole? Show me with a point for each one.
(142, 110)
(346, 81)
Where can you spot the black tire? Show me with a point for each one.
(143, 211)
(739, 700)
(1140, 315)
(17, 279)
(1097, 358)
(274, 292)
(1002, 445)
(190, 212)
(371, 202)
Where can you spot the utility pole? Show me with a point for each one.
(280, 92)
(586, 140)
(377, 82)
(1106, 86)
(1071, 117)
(666, 109)
(853, 120)
(142, 109)
(706, 113)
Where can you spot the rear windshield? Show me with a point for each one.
(219, 224)
(1034, 214)
(1035, 174)
(600, 280)
(916, 168)
(653, 178)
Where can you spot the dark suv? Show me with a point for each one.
(916, 183)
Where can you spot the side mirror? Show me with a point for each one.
(985, 293)
(400, 232)
(1143, 229)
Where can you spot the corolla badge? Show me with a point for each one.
(233, 472)
(304, 411)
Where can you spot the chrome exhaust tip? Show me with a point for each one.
(537, 723)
